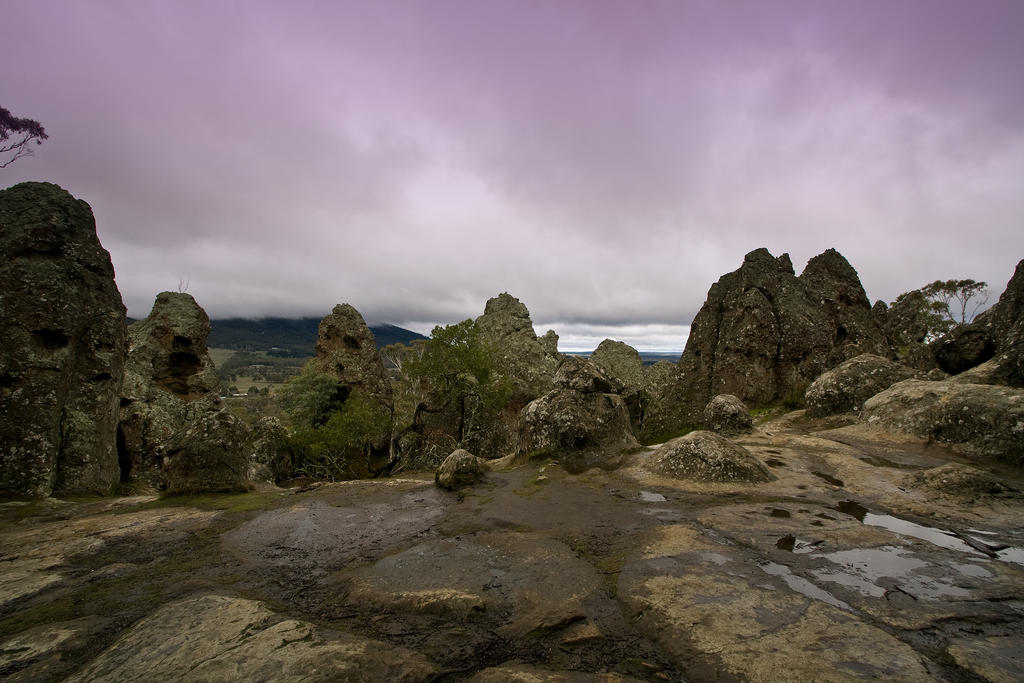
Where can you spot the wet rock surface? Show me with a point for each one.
(62, 346)
(851, 564)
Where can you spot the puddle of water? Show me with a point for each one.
(861, 569)
(829, 478)
(971, 570)
(940, 537)
(796, 545)
(649, 497)
(779, 512)
(1015, 555)
(802, 585)
(885, 462)
(714, 558)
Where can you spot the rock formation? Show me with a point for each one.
(581, 419)
(269, 459)
(726, 415)
(622, 363)
(170, 405)
(346, 349)
(528, 361)
(995, 340)
(907, 325)
(62, 346)
(846, 387)
(706, 456)
(974, 419)
(459, 469)
(764, 334)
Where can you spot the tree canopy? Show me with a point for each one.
(952, 298)
(16, 136)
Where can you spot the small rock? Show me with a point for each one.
(848, 385)
(460, 468)
(706, 456)
(726, 415)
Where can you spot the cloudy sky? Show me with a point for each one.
(603, 161)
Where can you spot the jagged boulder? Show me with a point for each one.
(710, 457)
(666, 403)
(346, 348)
(907, 325)
(726, 415)
(974, 419)
(993, 343)
(170, 383)
(622, 363)
(527, 361)
(62, 346)
(461, 468)
(846, 387)
(269, 459)
(580, 419)
(764, 334)
(210, 453)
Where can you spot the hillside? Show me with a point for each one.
(288, 337)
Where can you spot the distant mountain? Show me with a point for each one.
(295, 337)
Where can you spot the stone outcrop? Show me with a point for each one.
(666, 402)
(974, 419)
(710, 457)
(995, 340)
(726, 415)
(220, 638)
(962, 482)
(459, 469)
(527, 361)
(346, 350)
(62, 346)
(171, 388)
(907, 325)
(622, 363)
(764, 334)
(269, 459)
(846, 387)
(581, 418)
(208, 453)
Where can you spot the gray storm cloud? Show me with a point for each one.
(603, 161)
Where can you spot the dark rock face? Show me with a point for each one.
(208, 454)
(460, 469)
(974, 419)
(170, 382)
(581, 419)
(847, 386)
(268, 455)
(346, 349)
(706, 456)
(1001, 327)
(906, 329)
(666, 402)
(528, 361)
(963, 348)
(764, 333)
(622, 363)
(62, 346)
(726, 415)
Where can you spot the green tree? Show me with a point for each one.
(455, 371)
(24, 132)
(336, 432)
(952, 298)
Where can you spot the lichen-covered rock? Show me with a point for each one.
(907, 325)
(666, 404)
(459, 469)
(974, 419)
(995, 339)
(847, 386)
(208, 454)
(346, 348)
(706, 456)
(961, 481)
(62, 346)
(622, 363)
(269, 459)
(726, 415)
(964, 348)
(764, 334)
(581, 415)
(220, 638)
(170, 381)
(550, 343)
(524, 359)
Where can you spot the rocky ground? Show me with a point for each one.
(860, 560)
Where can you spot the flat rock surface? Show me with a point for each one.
(851, 564)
